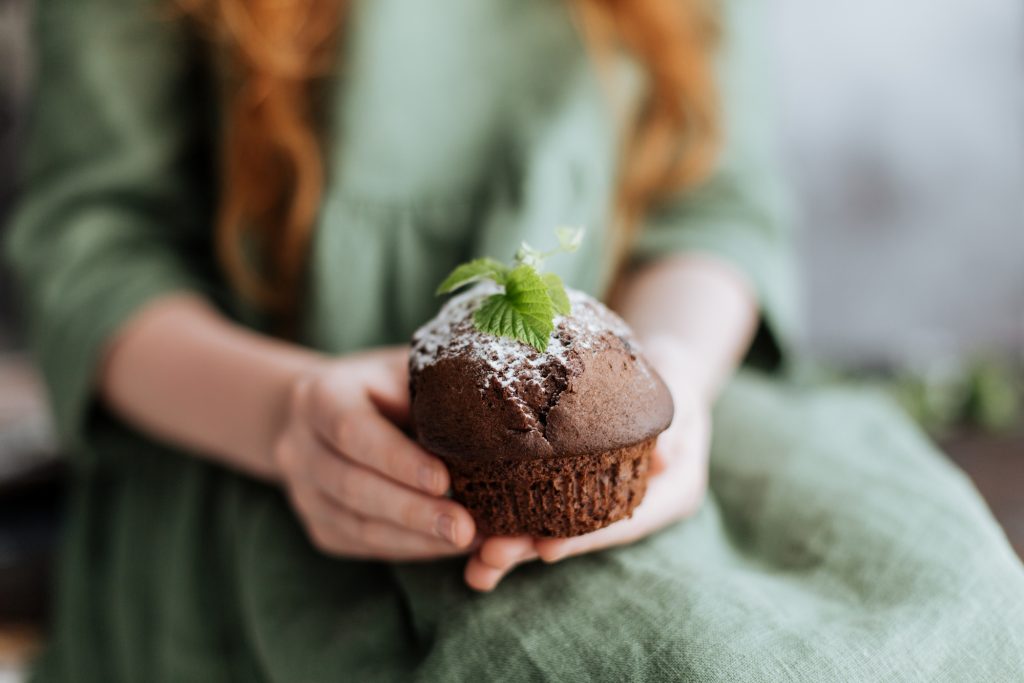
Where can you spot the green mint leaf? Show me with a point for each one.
(524, 311)
(475, 270)
(556, 290)
(527, 308)
(569, 238)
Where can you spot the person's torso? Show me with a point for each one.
(455, 129)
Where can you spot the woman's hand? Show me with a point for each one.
(361, 487)
(675, 491)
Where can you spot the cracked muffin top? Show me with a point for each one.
(476, 395)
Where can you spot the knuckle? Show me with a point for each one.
(320, 402)
(299, 392)
(283, 454)
(318, 392)
(346, 431)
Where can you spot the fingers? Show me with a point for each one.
(365, 436)
(362, 488)
(495, 558)
(375, 497)
(389, 391)
(336, 530)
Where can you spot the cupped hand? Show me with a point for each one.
(360, 486)
(675, 490)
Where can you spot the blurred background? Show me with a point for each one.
(902, 135)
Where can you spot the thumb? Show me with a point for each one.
(388, 386)
(659, 458)
(667, 448)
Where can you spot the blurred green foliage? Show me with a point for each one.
(986, 394)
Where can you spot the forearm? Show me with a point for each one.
(695, 307)
(182, 372)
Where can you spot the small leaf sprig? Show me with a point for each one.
(531, 299)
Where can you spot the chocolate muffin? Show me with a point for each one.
(556, 443)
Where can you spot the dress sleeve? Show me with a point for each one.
(741, 214)
(114, 207)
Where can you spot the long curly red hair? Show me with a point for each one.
(273, 166)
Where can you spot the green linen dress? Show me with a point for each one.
(835, 543)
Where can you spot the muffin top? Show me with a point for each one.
(477, 395)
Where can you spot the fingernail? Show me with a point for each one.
(445, 527)
(429, 478)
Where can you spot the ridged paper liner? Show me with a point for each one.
(557, 497)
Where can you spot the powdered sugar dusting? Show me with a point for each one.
(508, 360)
